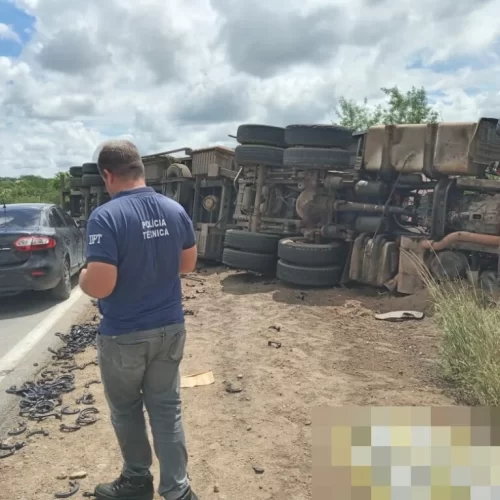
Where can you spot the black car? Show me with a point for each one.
(41, 248)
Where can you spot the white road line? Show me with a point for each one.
(10, 361)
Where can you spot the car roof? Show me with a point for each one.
(29, 205)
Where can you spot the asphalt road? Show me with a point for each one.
(27, 326)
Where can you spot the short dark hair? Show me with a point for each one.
(121, 158)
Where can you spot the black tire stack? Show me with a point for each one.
(307, 264)
(318, 147)
(256, 252)
(91, 176)
(260, 145)
(75, 181)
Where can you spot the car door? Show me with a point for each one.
(78, 236)
(56, 221)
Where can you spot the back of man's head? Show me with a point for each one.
(121, 158)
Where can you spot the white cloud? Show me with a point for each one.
(8, 33)
(186, 73)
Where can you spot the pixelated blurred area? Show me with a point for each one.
(406, 453)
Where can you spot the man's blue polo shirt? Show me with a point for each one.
(142, 233)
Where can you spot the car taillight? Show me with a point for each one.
(34, 243)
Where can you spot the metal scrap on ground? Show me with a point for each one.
(397, 316)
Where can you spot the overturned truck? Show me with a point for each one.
(320, 206)
(202, 181)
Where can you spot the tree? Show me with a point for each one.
(30, 189)
(410, 107)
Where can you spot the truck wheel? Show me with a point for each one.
(489, 282)
(299, 251)
(318, 136)
(264, 135)
(252, 242)
(75, 171)
(448, 265)
(63, 289)
(317, 158)
(261, 263)
(89, 180)
(181, 192)
(75, 182)
(90, 168)
(251, 154)
(309, 276)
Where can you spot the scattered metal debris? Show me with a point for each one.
(397, 316)
(68, 411)
(233, 388)
(88, 384)
(69, 428)
(86, 399)
(7, 450)
(257, 469)
(40, 432)
(87, 417)
(74, 486)
(20, 430)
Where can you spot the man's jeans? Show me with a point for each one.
(143, 367)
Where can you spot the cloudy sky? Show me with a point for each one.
(186, 72)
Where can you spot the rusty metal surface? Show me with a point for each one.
(203, 159)
(411, 261)
(445, 148)
(209, 241)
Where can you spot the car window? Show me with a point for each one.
(67, 219)
(55, 220)
(19, 217)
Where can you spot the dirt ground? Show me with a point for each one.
(333, 352)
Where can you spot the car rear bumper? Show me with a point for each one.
(38, 273)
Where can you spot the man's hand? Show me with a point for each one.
(98, 280)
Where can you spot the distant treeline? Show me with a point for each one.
(31, 188)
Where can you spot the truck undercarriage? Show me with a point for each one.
(317, 205)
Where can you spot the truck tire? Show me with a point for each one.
(252, 242)
(262, 263)
(251, 154)
(261, 134)
(181, 192)
(90, 168)
(298, 251)
(317, 158)
(178, 170)
(75, 182)
(309, 276)
(489, 282)
(75, 171)
(318, 136)
(89, 180)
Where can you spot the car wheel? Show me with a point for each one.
(63, 289)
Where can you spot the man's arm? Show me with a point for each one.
(189, 253)
(99, 278)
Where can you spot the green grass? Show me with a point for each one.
(469, 320)
(470, 344)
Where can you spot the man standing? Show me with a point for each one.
(138, 243)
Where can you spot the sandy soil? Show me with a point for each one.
(333, 352)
